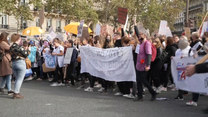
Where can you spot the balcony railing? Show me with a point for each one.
(23, 27)
(4, 26)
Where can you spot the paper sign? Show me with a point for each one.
(122, 15)
(97, 29)
(126, 23)
(106, 29)
(164, 29)
(137, 49)
(204, 28)
(80, 29)
(67, 59)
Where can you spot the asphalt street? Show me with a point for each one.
(41, 100)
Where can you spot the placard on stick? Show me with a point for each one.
(122, 15)
(67, 59)
(80, 28)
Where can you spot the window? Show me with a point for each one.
(58, 26)
(67, 22)
(38, 22)
(49, 24)
(4, 20)
(23, 24)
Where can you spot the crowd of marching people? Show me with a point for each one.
(152, 62)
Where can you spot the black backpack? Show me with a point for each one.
(163, 55)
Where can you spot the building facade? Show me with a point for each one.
(196, 8)
(12, 25)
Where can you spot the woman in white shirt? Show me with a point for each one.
(59, 53)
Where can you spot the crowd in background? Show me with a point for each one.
(153, 70)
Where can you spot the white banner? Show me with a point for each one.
(196, 83)
(114, 64)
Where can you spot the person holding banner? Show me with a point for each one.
(196, 69)
(59, 53)
(127, 86)
(97, 42)
(183, 51)
(196, 47)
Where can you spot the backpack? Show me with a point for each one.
(163, 55)
(154, 51)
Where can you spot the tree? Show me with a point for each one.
(19, 8)
(74, 9)
(149, 12)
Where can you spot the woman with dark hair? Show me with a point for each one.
(71, 67)
(170, 49)
(5, 67)
(18, 54)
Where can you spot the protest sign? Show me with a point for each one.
(114, 64)
(97, 29)
(197, 83)
(122, 15)
(60, 37)
(80, 28)
(106, 29)
(204, 28)
(126, 23)
(67, 58)
(164, 29)
(51, 35)
(50, 61)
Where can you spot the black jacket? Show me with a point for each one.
(202, 68)
(170, 49)
(74, 55)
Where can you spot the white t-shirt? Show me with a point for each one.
(184, 52)
(60, 59)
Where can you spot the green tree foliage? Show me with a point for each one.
(18, 8)
(74, 9)
(149, 12)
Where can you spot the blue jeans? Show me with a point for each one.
(19, 70)
(6, 80)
